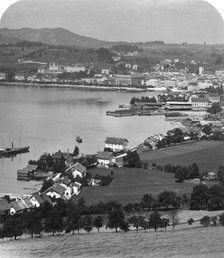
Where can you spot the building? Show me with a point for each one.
(178, 106)
(37, 199)
(56, 191)
(105, 158)
(2, 76)
(55, 69)
(116, 144)
(105, 71)
(4, 208)
(75, 68)
(219, 73)
(200, 70)
(154, 83)
(201, 103)
(128, 80)
(26, 173)
(19, 77)
(76, 170)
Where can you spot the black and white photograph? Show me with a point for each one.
(111, 128)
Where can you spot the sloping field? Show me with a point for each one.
(209, 155)
(189, 242)
(130, 184)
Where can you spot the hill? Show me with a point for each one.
(54, 36)
(207, 154)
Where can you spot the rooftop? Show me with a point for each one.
(114, 140)
(104, 155)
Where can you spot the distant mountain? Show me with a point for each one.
(57, 36)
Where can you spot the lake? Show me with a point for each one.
(49, 119)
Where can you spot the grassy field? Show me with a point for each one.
(207, 154)
(184, 241)
(129, 185)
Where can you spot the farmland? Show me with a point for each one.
(207, 154)
(130, 184)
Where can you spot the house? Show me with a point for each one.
(2, 76)
(105, 158)
(56, 191)
(20, 205)
(19, 77)
(4, 208)
(77, 170)
(105, 71)
(116, 144)
(76, 188)
(37, 199)
(65, 182)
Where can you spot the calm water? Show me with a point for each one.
(50, 119)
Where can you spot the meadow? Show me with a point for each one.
(130, 184)
(184, 241)
(208, 155)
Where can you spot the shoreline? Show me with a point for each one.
(72, 86)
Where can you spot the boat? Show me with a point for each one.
(8, 152)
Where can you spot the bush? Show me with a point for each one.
(205, 221)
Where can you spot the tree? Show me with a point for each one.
(173, 216)
(116, 219)
(132, 160)
(87, 223)
(147, 201)
(135, 221)
(46, 184)
(54, 222)
(214, 220)
(220, 174)
(164, 223)
(32, 222)
(73, 221)
(76, 151)
(215, 108)
(167, 199)
(221, 219)
(190, 221)
(194, 171)
(199, 197)
(13, 227)
(179, 174)
(98, 222)
(143, 223)
(155, 220)
(205, 221)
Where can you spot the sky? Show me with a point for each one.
(194, 21)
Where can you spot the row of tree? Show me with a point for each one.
(143, 99)
(182, 172)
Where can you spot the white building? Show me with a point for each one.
(116, 144)
(2, 76)
(200, 103)
(74, 68)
